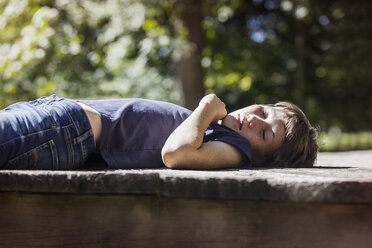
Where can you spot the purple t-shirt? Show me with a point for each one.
(135, 130)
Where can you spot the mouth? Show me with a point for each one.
(240, 123)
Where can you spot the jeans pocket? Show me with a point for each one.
(42, 157)
(86, 143)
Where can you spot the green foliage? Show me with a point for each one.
(257, 40)
(128, 48)
(83, 49)
(336, 142)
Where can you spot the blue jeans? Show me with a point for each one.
(50, 133)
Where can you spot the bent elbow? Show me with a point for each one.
(172, 158)
(168, 158)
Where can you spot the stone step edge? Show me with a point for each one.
(202, 185)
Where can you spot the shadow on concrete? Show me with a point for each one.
(284, 168)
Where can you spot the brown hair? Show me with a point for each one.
(299, 148)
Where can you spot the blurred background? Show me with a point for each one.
(316, 54)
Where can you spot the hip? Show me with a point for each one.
(47, 133)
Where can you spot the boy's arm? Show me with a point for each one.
(184, 149)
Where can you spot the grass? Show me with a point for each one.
(344, 141)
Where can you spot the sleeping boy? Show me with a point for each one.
(61, 134)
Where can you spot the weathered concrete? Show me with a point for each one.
(325, 206)
(337, 178)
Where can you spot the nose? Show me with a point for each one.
(255, 121)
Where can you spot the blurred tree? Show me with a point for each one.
(189, 69)
(314, 53)
(85, 48)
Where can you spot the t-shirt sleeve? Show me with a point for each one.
(217, 132)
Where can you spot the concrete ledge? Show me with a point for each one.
(328, 206)
(337, 178)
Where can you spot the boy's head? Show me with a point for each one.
(300, 146)
(280, 134)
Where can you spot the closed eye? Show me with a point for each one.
(264, 113)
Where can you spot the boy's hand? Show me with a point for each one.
(214, 106)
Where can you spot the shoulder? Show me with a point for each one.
(226, 135)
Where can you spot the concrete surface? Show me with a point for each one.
(344, 177)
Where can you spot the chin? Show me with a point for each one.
(229, 121)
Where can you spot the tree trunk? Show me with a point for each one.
(190, 72)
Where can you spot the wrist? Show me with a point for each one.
(207, 111)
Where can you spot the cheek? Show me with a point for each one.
(250, 134)
(252, 139)
(256, 143)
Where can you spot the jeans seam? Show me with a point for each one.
(69, 147)
(72, 119)
(36, 158)
(32, 151)
(81, 144)
(55, 164)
